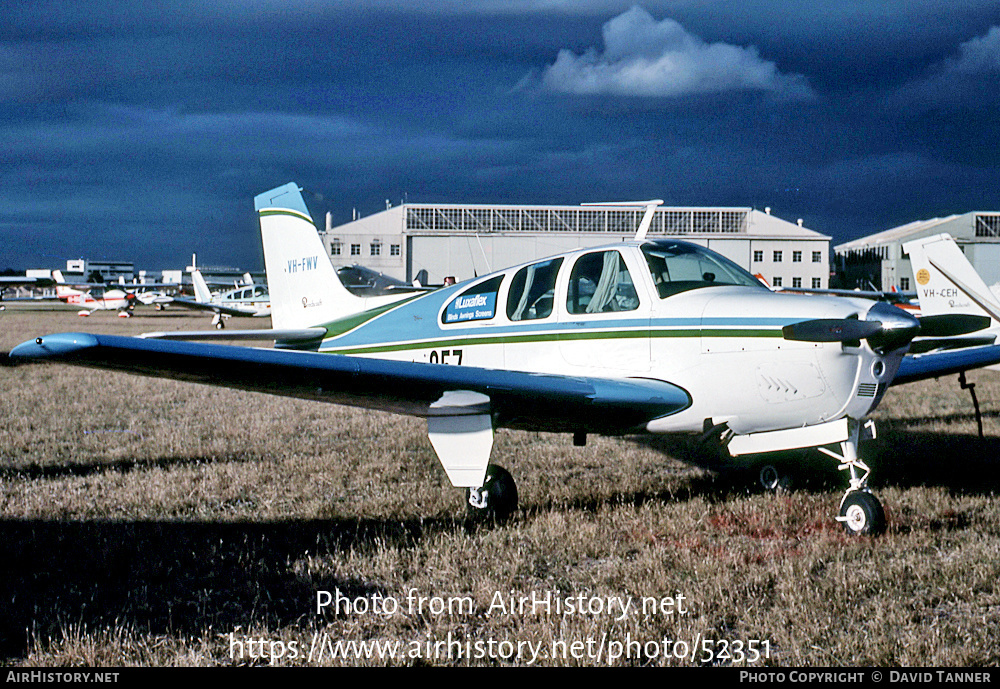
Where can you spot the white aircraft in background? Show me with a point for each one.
(98, 298)
(250, 300)
(647, 336)
(948, 285)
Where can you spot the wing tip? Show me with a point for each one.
(53, 346)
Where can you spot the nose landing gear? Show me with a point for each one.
(861, 513)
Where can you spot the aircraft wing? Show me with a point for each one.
(877, 295)
(526, 401)
(935, 364)
(208, 306)
(21, 281)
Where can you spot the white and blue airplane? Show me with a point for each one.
(248, 300)
(646, 336)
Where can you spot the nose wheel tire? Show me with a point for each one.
(861, 514)
(497, 499)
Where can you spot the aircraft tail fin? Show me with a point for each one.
(201, 291)
(945, 280)
(304, 287)
(63, 291)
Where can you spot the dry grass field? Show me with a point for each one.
(150, 522)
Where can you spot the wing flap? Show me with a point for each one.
(520, 400)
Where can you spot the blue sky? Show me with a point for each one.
(143, 130)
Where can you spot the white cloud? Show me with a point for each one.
(645, 57)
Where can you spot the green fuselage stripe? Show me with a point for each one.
(470, 340)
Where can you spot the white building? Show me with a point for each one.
(878, 259)
(433, 241)
(82, 270)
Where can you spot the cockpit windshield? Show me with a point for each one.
(679, 266)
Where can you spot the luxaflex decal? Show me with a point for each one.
(471, 307)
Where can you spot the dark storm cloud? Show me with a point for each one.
(143, 130)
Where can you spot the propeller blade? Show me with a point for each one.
(831, 330)
(949, 325)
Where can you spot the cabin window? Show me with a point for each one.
(600, 283)
(679, 266)
(532, 291)
(478, 303)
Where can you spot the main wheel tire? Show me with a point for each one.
(862, 515)
(773, 480)
(500, 494)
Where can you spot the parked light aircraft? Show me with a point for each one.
(249, 300)
(647, 336)
(947, 284)
(93, 298)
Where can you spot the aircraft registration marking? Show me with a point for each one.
(446, 356)
(302, 264)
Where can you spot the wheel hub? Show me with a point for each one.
(855, 518)
(479, 498)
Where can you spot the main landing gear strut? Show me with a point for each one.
(860, 511)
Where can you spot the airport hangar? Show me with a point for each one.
(878, 260)
(432, 242)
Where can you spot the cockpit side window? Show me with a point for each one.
(678, 267)
(600, 283)
(532, 291)
(478, 303)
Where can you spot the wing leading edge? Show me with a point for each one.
(525, 401)
(935, 364)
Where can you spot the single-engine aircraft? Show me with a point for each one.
(947, 284)
(248, 300)
(644, 336)
(92, 298)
